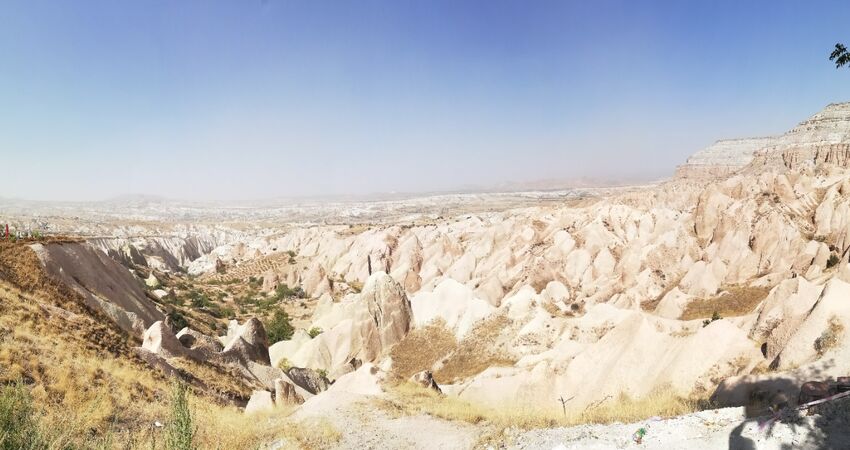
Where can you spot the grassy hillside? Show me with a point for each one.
(70, 379)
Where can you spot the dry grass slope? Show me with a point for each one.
(421, 349)
(476, 352)
(734, 301)
(87, 387)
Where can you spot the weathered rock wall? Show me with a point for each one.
(822, 139)
(722, 158)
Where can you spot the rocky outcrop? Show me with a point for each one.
(285, 394)
(308, 379)
(261, 401)
(270, 281)
(362, 327)
(194, 340)
(388, 316)
(165, 253)
(105, 285)
(247, 342)
(151, 281)
(722, 158)
(160, 340)
(822, 139)
(426, 379)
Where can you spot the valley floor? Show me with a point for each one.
(384, 420)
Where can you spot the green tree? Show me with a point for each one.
(278, 328)
(840, 56)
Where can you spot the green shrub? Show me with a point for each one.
(180, 432)
(278, 328)
(255, 282)
(315, 331)
(199, 299)
(284, 292)
(18, 426)
(178, 320)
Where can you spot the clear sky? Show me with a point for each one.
(256, 99)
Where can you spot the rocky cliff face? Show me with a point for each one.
(722, 158)
(823, 138)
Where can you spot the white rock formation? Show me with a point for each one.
(261, 401)
(723, 157)
(375, 320)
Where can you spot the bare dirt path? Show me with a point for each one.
(363, 426)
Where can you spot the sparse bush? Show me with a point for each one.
(833, 260)
(355, 286)
(254, 282)
(315, 331)
(714, 316)
(284, 292)
(322, 373)
(830, 337)
(176, 300)
(180, 432)
(284, 364)
(213, 310)
(278, 328)
(18, 427)
(199, 299)
(228, 313)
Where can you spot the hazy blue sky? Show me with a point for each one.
(256, 99)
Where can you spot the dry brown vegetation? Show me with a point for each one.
(476, 352)
(734, 301)
(315, 433)
(830, 336)
(421, 349)
(407, 399)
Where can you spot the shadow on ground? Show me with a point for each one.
(769, 405)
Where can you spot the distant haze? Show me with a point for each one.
(244, 100)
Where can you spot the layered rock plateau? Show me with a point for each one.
(722, 158)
